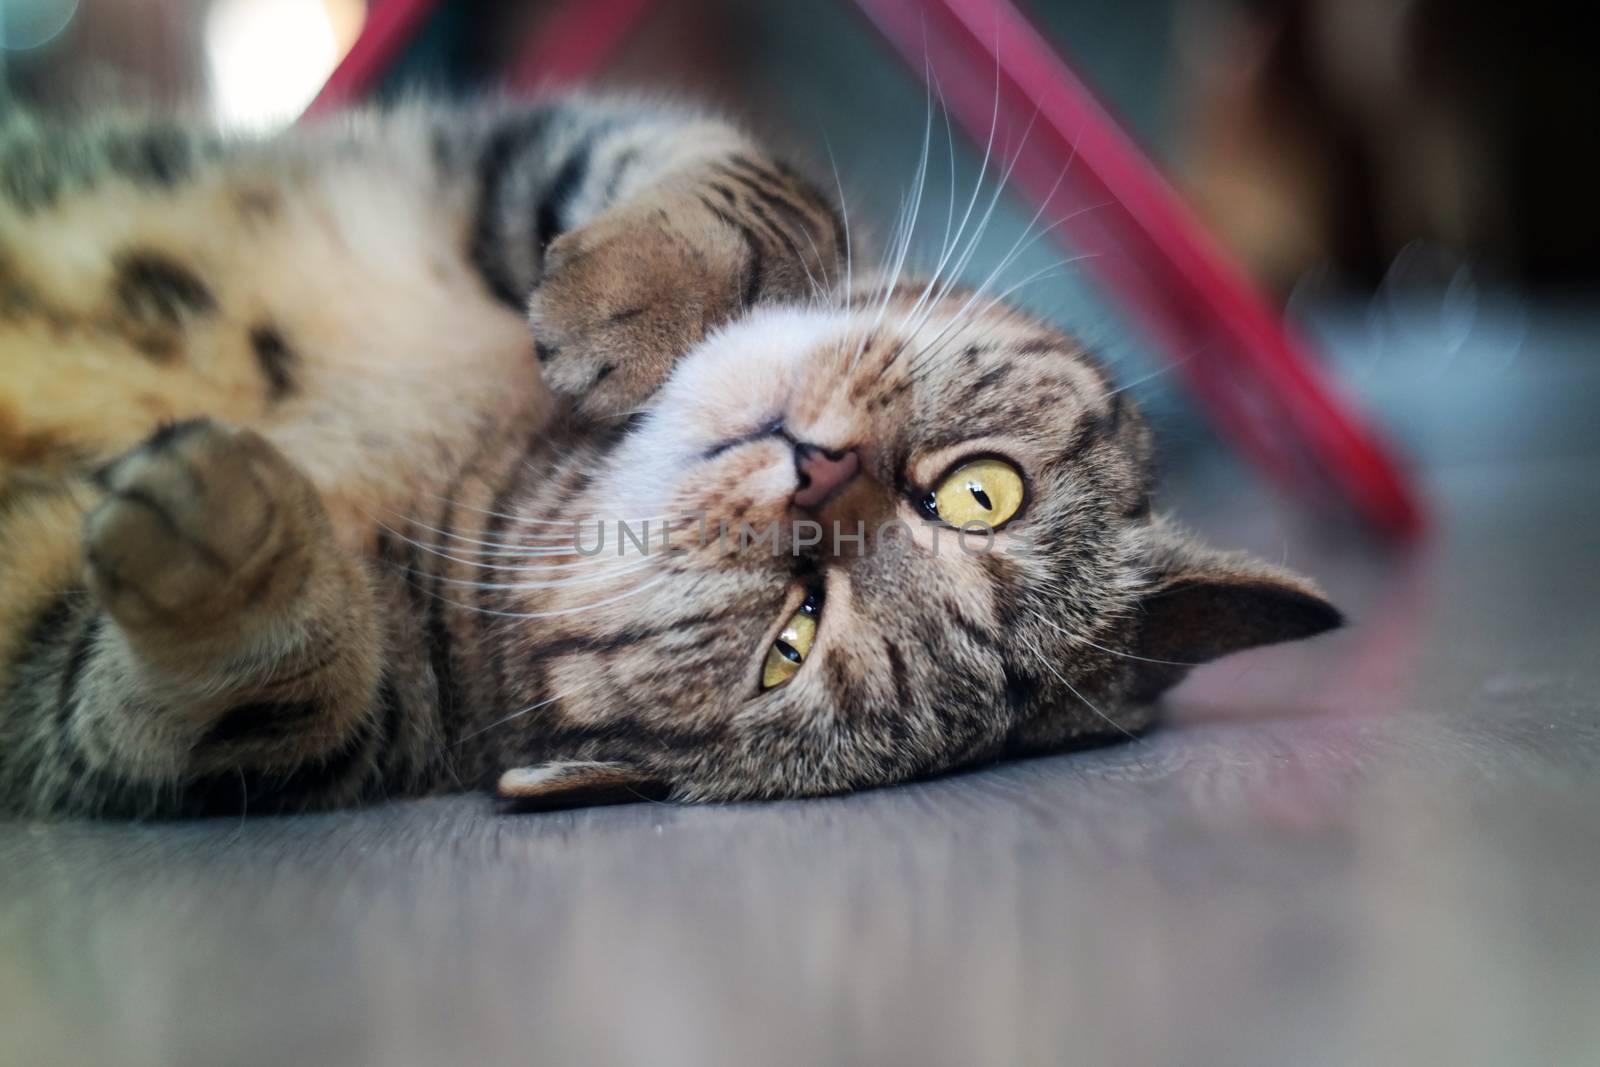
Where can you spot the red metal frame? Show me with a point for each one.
(575, 39)
(1149, 251)
(390, 26)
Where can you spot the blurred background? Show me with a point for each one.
(1316, 135)
(1408, 180)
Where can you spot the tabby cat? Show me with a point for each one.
(308, 444)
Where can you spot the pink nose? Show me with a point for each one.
(823, 473)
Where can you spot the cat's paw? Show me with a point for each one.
(200, 523)
(623, 297)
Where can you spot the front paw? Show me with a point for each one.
(200, 523)
(624, 297)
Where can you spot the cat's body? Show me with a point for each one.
(344, 565)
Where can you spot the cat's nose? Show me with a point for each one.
(824, 473)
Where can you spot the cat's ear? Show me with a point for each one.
(578, 783)
(1202, 604)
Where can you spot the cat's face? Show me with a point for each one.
(818, 620)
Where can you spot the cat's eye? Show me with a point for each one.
(987, 490)
(793, 644)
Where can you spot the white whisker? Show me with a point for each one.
(576, 609)
(526, 520)
(538, 544)
(844, 213)
(961, 320)
(1070, 636)
(520, 712)
(602, 575)
(1159, 371)
(1073, 690)
(952, 243)
(497, 548)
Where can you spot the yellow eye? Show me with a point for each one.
(792, 646)
(986, 490)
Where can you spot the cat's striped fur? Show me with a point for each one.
(293, 433)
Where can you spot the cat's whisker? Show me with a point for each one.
(531, 568)
(508, 547)
(460, 557)
(1045, 661)
(463, 506)
(576, 609)
(514, 540)
(520, 712)
(642, 530)
(940, 285)
(949, 244)
(480, 565)
(551, 540)
(429, 590)
(495, 549)
(602, 574)
(531, 544)
(818, 295)
(844, 214)
(528, 520)
(1026, 240)
(1077, 639)
(982, 227)
(821, 292)
(1023, 241)
(948, 248)
(950, 152)
(1166, 368)
(952, 233)
(961, 320)
(905, 231)
(905, 227)
(950, 164)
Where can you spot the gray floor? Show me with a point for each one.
(1380, 848)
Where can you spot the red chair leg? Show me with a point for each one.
(390, 26)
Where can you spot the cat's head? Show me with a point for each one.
(818, 620)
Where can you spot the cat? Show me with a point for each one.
(308, 442)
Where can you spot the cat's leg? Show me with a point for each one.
(224, 653)
(630, 292)
(650, 228)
